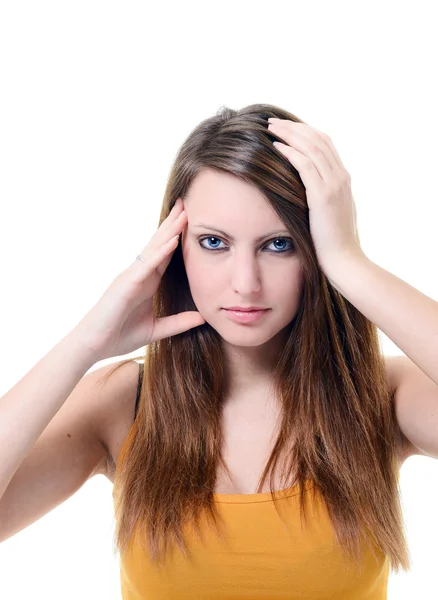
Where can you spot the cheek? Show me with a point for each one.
(288, 280)
(197, 271)
(296, 284)
(291, 287)
(203, 283)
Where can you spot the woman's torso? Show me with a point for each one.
(263, 557)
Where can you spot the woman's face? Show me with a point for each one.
(253, 263)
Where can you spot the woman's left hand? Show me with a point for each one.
(332, 211)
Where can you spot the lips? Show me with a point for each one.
(245, 316)
(249, 309)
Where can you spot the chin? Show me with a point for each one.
(246, 335)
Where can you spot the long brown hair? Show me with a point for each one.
(330, 380)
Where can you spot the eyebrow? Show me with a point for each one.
(230, 237)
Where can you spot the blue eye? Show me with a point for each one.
(214, 237)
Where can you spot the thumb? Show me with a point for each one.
(174, 324)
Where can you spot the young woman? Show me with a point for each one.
(255, 451)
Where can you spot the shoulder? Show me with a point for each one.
(414, 395)
(394, 373)
(415, 399)
(117, 410)
(392, 365)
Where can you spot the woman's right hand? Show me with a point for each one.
(122, 320)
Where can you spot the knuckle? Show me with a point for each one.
(307, 164)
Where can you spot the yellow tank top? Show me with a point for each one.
(262, 558)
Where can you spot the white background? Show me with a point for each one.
(96, 98)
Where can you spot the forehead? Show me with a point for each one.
(224, 197)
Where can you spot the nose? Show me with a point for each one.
(246, 275)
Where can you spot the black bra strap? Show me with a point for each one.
(140, 379)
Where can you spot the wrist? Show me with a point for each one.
(82, 345)
(335, 266)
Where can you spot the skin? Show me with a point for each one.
(242, 272)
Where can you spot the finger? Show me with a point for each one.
(162, 236)
(316, 136)
(173, 223)
(330, 144)
(305, 167)
(154, 257)
(177, 221)
(314, 149)
(174, 212)
(173, 243)
(173, 324)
